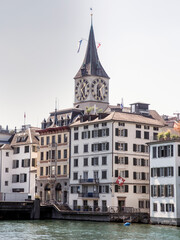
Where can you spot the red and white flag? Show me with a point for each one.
(120, 181)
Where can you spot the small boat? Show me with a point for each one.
(127, 224)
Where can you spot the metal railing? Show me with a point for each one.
(88, 195)
(89, 180)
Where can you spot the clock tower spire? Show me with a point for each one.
(91, 81)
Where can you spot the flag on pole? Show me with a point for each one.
(122, 104)
(99, 44)
(120, 181)
(80, 42)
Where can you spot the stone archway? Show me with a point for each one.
(58, 192)
(47, 191)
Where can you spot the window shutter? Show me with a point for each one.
(126, 188)
(172, 171)
(22, 162)
(100, 189)
(116, 188)
(165, 171)
(126, 146)
(107, 146)
(142, 148)
(151, 190)
(116, 173)
(134, 147)
(93, 134)
(107, 132)
(92, 147)
(117, 132)
(142, 162)
(158, 191)
(166, 207)
(28, 162)
(107, 189)
(127, 173)
(89, 134)
(116, 146)
(92, 161)
(158, 172)
(134, 189)
(172, 190)
(71, 189)
(166, 191)
(116, 159)
(100, 133)
(134, 175)
(152, 175)
(99, 147)
(172, 151)
(126, 160)
(82, 135)
(134, 161)
(126, 132)
(172, 207)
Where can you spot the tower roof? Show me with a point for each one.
(91, 64)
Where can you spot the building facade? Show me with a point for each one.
(165, 182)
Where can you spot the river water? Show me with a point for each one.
(67, 230)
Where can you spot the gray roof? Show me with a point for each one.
(91, 65)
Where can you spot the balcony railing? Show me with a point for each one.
(89, 180)
(88, 195)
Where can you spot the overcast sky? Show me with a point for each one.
(140, 51)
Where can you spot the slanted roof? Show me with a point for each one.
(91, 65)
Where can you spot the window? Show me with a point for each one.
(75, 175)
(124, 174)
(65, 153)
(15, 178)
(146, 127)
(155, 136)
(47, 140)
(53, 153)
(59, 154)
(7, 154)
(104, 160)
(96, 125)
(165, 151)
(86, 135)
(76, 134)
(121, 146)
(100, 133)
(16, 150)
(162, 206)
(100, 147)
(155, 128)
(41, 171)
(140, 162)
(122, 189)
(42, 141)
(75, 128)
(85, 147)
(76, 162)
(140, 148)
(155, 207)
(59, 170)
(121, 124)
(42, 155)
(121, 132)
(34, 162)
(65, 138)
(138, 134)
(104, 174)
(85, 161)
(65, 170)
(15, 164)
(146, 135)
(86, 127)
(75, 149)
(104, 124)
(53, 139)
(6, 183)
(138, 126)
(59, 138)
(34, 148)
(169, 207)
(6, 170)
(95, 161)
(25, 163)
(121, 160)
(23, 177)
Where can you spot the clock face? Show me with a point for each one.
(82, 89)
(99, 89)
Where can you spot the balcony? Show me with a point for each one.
(88, 195)
(89, 181)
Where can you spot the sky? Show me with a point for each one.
(140, 51)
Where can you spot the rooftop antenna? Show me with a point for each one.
(91, 16)
(55, 115)
(24, 118)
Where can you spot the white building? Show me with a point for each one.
(19, 165)
(104, 147)
(165, 182)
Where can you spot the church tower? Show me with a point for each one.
(91, 81)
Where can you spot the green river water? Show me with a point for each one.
(65, 230)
